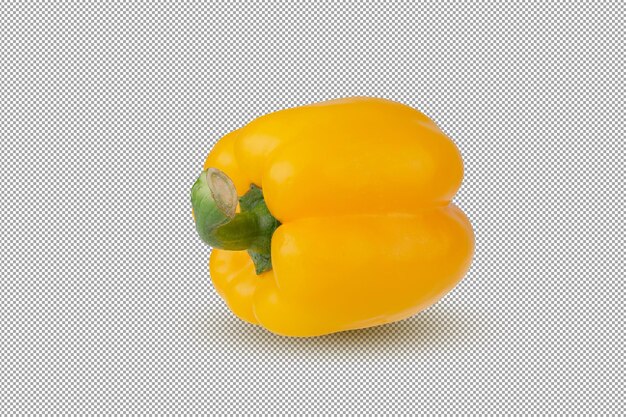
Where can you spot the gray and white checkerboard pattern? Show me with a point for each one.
(107, 110)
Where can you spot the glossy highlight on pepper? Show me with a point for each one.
(344, 218)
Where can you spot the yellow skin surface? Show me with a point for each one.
(362, 187)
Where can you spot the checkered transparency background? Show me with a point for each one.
(108, 109)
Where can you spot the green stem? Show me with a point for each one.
(214, 201)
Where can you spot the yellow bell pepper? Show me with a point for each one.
(333, 216)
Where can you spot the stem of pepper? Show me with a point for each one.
(214, 200)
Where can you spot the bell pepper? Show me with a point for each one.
(333, 216)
